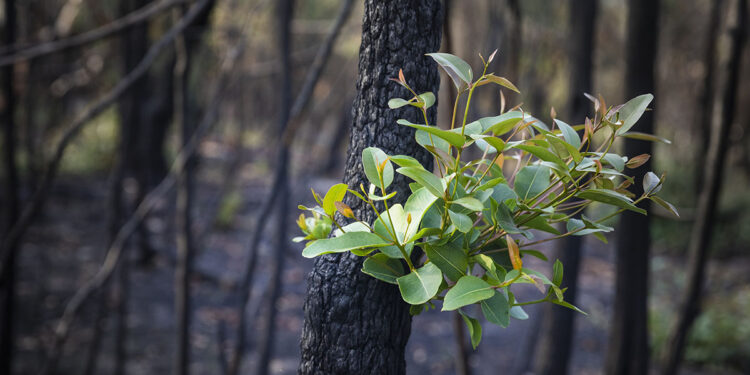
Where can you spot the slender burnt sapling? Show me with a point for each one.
(464, 231)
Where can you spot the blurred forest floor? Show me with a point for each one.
(74, 224)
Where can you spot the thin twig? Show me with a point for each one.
(16, 55)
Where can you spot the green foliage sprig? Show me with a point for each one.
(473, 220)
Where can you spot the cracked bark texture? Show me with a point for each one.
(355, 324)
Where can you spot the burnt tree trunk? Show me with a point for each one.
(184, 114)
(705, 103)
(284, 14)
(628, 351)
(11, 198)
(183, 217)
(554, 351)
(134, 45)
(355, 324)
(713, 168)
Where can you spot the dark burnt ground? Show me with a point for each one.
(66, 246)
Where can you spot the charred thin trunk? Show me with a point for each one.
(462, 350)
(628, 352)
(553, 355)
(11, 199)
(705, 103)
(284, 13)
(134, 45)
(183, 219)
(131, 107)
(700, 240)
(121, 325)
(279, 184)
(115, 221)
(355, 324)
(185, 51)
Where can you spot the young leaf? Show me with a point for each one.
(469, 289)
(492, 56)
(542, 153)
(383, 268)
(424, 178)
(557, 273)
(470, 203)
(615, 161)
(346, 242)
(632, 111)
(637, 161)
(372, 158)
(645, 137)
(502, 192)
(562, 147)
(335, 194)
(531, 180)
(491, 270)
(453, 138)
(610, 197)
(352, 227)
(457, 69)
(499, 125)
(496, 309)
(420, 285)
(405, 161)
(461, 221)
(502, 81)
(651, 183)
(538, 223)
(517, 312)
(475, 329)
(515, 256)
(450, 258)
(495, 143)
(593, 100)
(431, 143)
(428, 98)
(569, 134)
(345, 210)
(668, 206)
(397, 103)
(504, 218)
(417, 205)
(578, 225)
(568, 305)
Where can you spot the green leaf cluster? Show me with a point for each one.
(474, 221)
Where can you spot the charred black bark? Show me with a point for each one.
(555, 346)
(11, 198)
(628, 351)
(355, 324)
